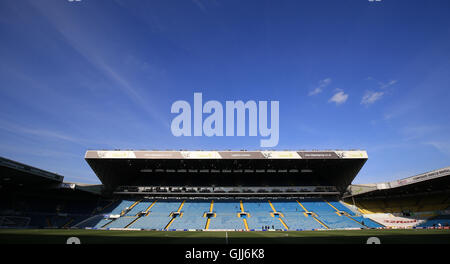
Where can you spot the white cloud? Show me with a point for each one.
(322, 84)
(37, 132)
(339, 98)
(402, 108)
(441, 146)
(415, 132)
(371, 97)
(382, 85)
(200, 5)
(386, 85)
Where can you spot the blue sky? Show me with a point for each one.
(101, 74)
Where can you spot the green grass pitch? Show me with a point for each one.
(60, 236)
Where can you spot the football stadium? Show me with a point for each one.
(197, 126)
(222, 197)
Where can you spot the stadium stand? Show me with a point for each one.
(394, 221)
(226, 215)
(101, 223)
(260, 215)
(233, 214)
(434, 202)
(295, 217)
(192, 215)
(367, 222)
(407, 203)
(42, 200)
(139, 207)
(122, 207)
(91, 222)
(329, 215)
(437, 221)
(120, 222)
(159, 216)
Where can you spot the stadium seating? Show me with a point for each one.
(139, 207)
(111, 208)
(364, 221)
(117, 210)
(294, 216)
(154, 221)
(390, 220)
(340, 207)
(367, 222)
(192, 215)
(435, 202)
(182, 214)
(79, 207)
(259, 215)
(38, 220)
(14, 221)
(250, 214)
(121, 222)
(328, 215)
(102, 223)
(226, 215)
(158, 216)
(90, 222)
(438, 221)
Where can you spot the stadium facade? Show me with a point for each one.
(221, 190)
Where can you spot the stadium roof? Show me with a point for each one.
(435, 180)
(90, 188)
(15, 174)
(18, 176)
(226, 168)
